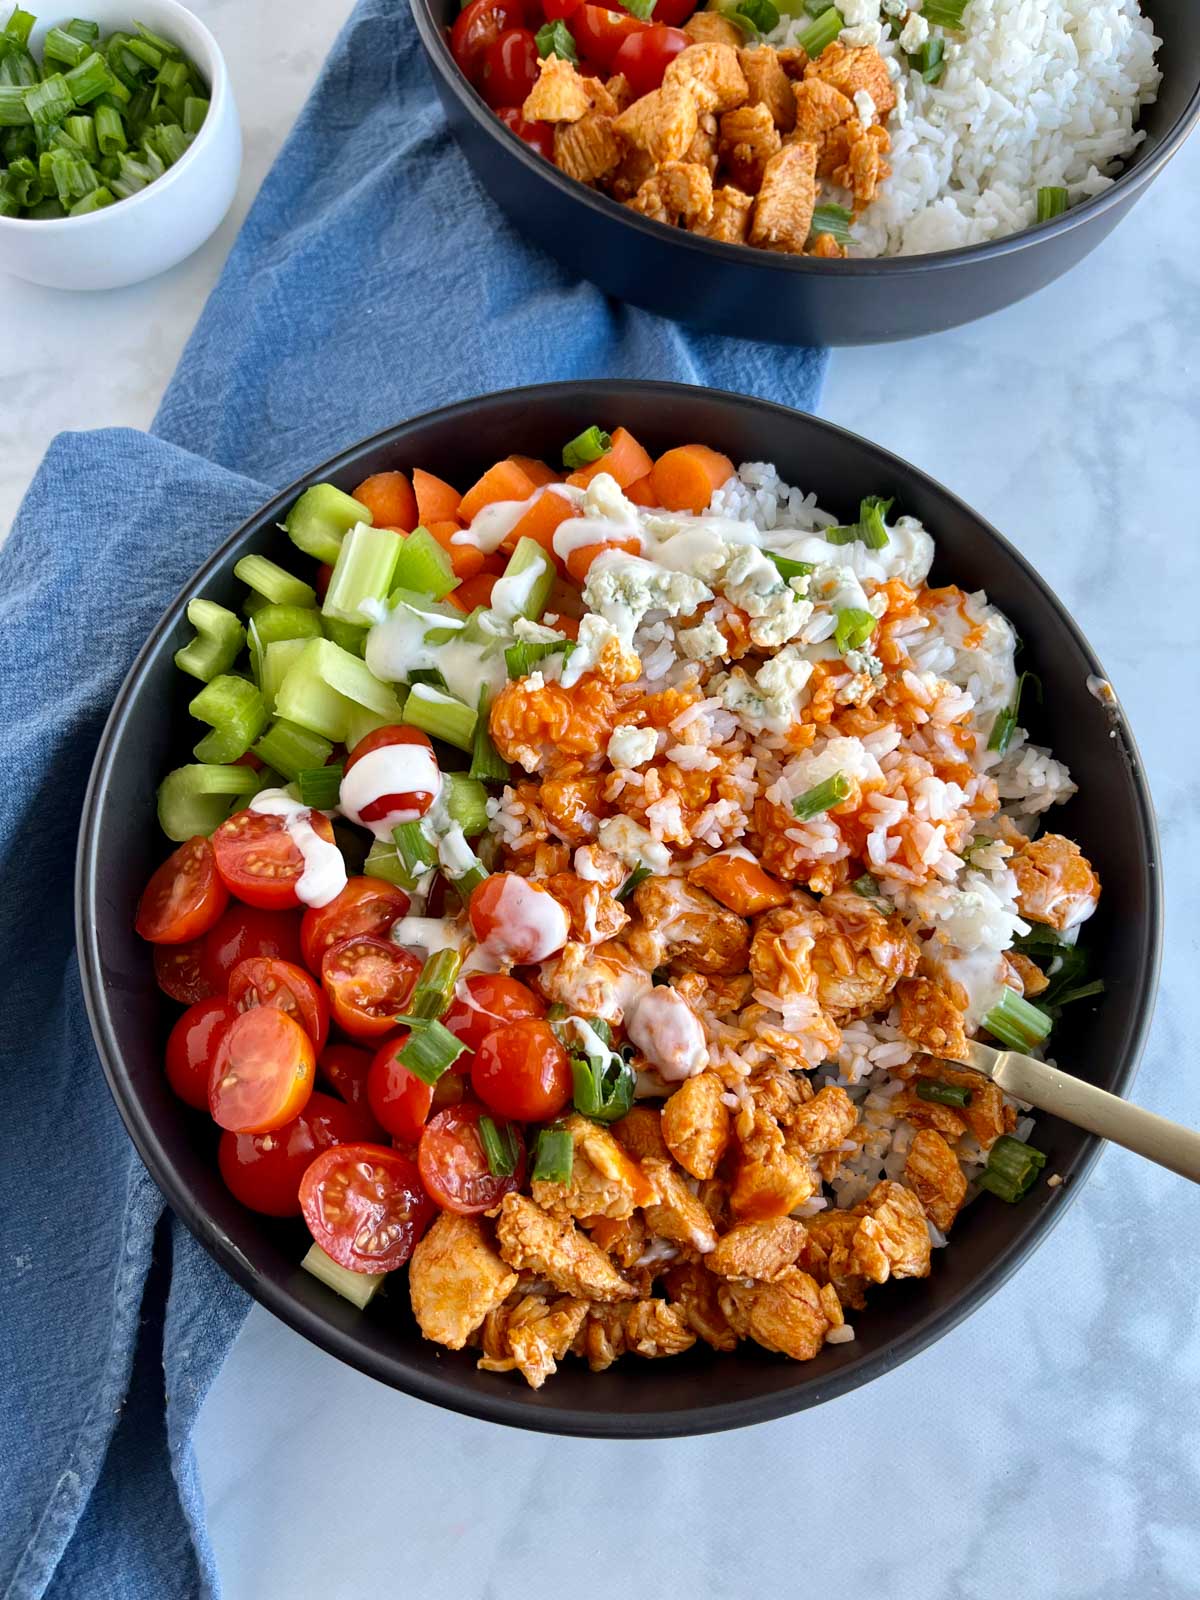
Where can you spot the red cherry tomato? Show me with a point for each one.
(484, 1002)
(368, 982)
(454, 1168)
(365, 1206)
(600, 33)
(262, 1072)
(245, 931)
(476, 26)
(258, 860)
(560, 10)
(522, 1072)
(344, 1068)
(321, 582)
(365, 905)
(539, 136)
(178, 972)
(263, 1170)
(672, 13)
(264, 981)
(519, 921)
(398, 1099)
(184, 897)
(191, 1045)
(510, 68)
(645, 57)
(416, 801)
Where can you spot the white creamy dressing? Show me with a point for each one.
(511, 595)
(668, 1033)
(429, 934)
(324, 875)
(983, 975)
(455, 855)
(392, 769)
(396, 647)
(492, 524)
(530, 924)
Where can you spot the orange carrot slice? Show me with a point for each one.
(540, 521)
(437, 501)
(389, 497)
(464, 558)
(504, 481)
(685, 478)
(581, 558)
(642, 492)
(476, 591)
(536, 471)
(741, 885)
(626, 462)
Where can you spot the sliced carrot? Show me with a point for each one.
(540, 521)
(741, 885)
(496, 564)
(466, 559)
(504, 481)
(389, 497)
(581, 558)
(642, 492)
(437, 501)
(536, 471)
(685, 478)
(626, 462)
(476, 591)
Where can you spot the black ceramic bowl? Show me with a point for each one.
(149, 731)
(757, 294)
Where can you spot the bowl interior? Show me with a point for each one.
(149, 731)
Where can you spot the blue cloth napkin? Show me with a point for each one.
(373, 279)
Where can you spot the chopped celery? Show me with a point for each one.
(276, 661)
(196, 799)
(353, 679)
(234, 710)
(425, 605)
(360, 722)
(466, 802)
(487, 763)
(285, 621)
(359, 1288)
(219, 638)
(440, 715)
(525, 586)
(424, 566)
(385, 861)
(316, 691)
(346, 635)
(253, 604)
(292, 750)
(280, 587)
(320, 518)
(362, 575)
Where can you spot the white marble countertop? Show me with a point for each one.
(1046, 1446)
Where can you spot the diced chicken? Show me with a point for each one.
(559, 95)
(860, 954)
(553, 1249)
(825, 1123)
(711, 995)
(692, 1290)
(819, 109)
(987, 1115)
(679, 192)
(760, 1250)
(624, 1240)
(595, 914)
(455, 1278)
(929, 1017)
(650, 1328)
(594, 980)
(1029, 976)
(892, 1239)
(620, 92)
(702, 152)
(773, 1177)
(677, 1215)
(768, 84)
(685, 926)
(779, 1093)
(711, 73)
(861, 168)
(696, 1124)
(794, 60)
(749, 138)
(1055, 882)
(935, 1177)
(852, 68)
(710, 27)
(605, 1180)
(594, 864)
(928, 1114)
(826, 246)
(587, 149)
(533, 1337)
(604, 99)
(640, 1132)
(791, 1316)
(663, 123)
(636, 166)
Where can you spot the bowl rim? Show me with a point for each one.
(512, 1409)
(1126, 183)
(218, 75)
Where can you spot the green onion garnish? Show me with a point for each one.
(1085, 991)
(1051, 203)
(869, 529)
(435, 987)
(553, 1156)
(50, 101)
(603, 1087)
(499, 1146)
(867, 886)
(833, 220)
(1012, 1168)
(441, 716)
(821, 32)
(762, 14)
(821, 796)
(429, 1050)
(1016, 1023)
(643, 10)
(486, 762)
(638, 875)
(19, 26)
(854, 627)
(556, 39)
(817, 8)
(789, 569)
(521, 658)
(586, 447)
(416, 851)
(944, 13)
(930, 59)
(943, 1094)
(1005, 724)
(320, 786)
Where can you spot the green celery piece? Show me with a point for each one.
(360, 1288)
(196, 799)
(291, 749)
(362, 575)
(320, 518)
(440, 715)
(466, 802)
(423, 566)
(218, 642)
(276, 621)
(325, 678)
(346, 635)
(426, 605)
(234, 710)
(360, 722)
(384, 861)
(525, 586)
(276, 661)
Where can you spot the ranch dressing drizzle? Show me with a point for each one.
(530, 924)
(392, 769)
(324, 875)
(668, 1033)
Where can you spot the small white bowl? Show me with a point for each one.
(164, 222)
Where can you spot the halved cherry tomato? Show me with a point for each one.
(522, 1072)
(484, 1002)
(368, 982)
(263, 1170)
(178, 972)
(538, 136)
(454, 1168)
(184, 897)
(558, 10)
(191, 1045)
(476, 26)
(365, 1206)
(265, 981)
(645, 57)
(245, 931)
(398, 1098)
(258, 860)
(416, 800)
(600, 33)
(262, 1072)
(321, 583)
(518, 920)
(510, 68)
(365, 905)
(672, 13)
(344, 1068)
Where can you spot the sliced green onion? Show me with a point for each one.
(553, 1156)
(435, 987)
(441, 716)
(170, 141)
(639, 875)
(1085, 991)
(218, 642)
(195, 109)
(156, 39)
(110, 131)
(789, 569)
(762, 15)
(90, 78)
(145, 52)
(1051, 203)
(362, 575)
(521, 659)
(585, 448)
(603, 1088)
(1005, 724)
(269, 579)
(854, 627)
(95, 200)
(930, 59)
(944, 13)
(430, 1049)
(19, 25)
(487, 764)
(556, 39)
(196, 799)
(50, 101)
(524, 586)
(643, 10)
(360, 1288)
(81, 28)
(867, 886)
(320, 787)
(869, 529)
(320, 519)
(291, 749)
(833, 220)
(499, 1146)
(821, 32)
(817, 8)
(234, 710)
(423, 566)
(466, 802)
(1016, 1023)
(821, 796)
(1012, 1168)
(416, 850)
(384, 862)
(13, 110)
(943, 1094)
(64, 48)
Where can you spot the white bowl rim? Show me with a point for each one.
(218, 75)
